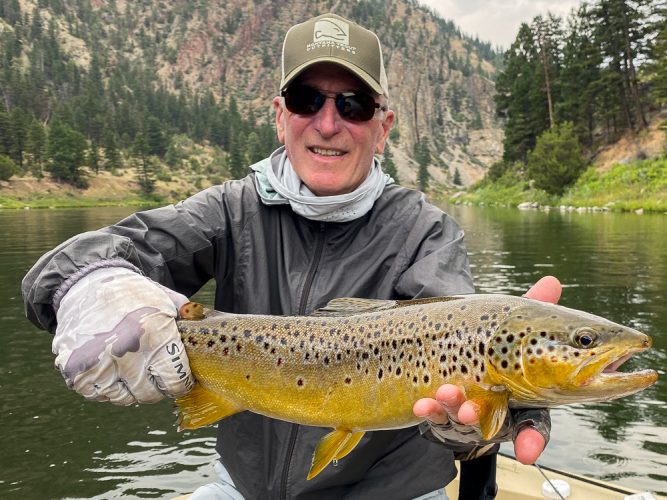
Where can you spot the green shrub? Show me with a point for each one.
(557, 160)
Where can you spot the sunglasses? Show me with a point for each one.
(357, 106)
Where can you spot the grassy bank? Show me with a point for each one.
(624, 187)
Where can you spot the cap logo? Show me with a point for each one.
(330, 32)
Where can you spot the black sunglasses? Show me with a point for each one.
(357, 106)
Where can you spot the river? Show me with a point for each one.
(56, 445)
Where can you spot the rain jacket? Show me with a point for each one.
(267, 259)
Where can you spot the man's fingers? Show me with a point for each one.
(431, 410)
(528, 446)
(467, 413)
(547, 289)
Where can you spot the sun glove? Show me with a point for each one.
(117, 339)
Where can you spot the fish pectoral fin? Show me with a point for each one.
(491, 408)
(201, 407)
(333, 446)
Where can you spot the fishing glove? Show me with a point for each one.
(117, 339)
(466, 442)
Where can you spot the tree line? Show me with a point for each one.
(58, 114)
(575, 84)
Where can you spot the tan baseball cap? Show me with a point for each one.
(331, 38)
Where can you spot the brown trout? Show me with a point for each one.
(359, 365)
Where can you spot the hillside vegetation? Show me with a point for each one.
(571, 89)
(93, 86)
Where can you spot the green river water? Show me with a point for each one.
(56, 445)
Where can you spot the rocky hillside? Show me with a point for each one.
(440, 80)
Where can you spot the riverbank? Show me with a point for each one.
(638, 186)
(118, 188)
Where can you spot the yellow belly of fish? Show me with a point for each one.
(312, 394)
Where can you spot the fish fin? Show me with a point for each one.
(328, 449)
(349, 306)
(201, 407)
(491, 408)
(191, 311)
(350, 445)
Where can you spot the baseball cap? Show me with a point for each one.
(331, 38)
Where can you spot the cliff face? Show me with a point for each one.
(440, 81)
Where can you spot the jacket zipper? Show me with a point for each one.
(291, 443)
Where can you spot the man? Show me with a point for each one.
(316, 220)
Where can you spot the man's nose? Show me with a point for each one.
(327, 120)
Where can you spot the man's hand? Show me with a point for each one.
(450, 401)
(117, 339)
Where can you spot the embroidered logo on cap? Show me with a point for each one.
(329, 32)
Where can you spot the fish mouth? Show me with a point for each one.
(608, 379)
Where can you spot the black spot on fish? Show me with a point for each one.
(551, 348)
(480, 348)
(238, 347)
(484, 317)
(552, 337)
(506, 309)
(491, 351)
(539, 351)
(426, 379)
(223, 324)
(348, 380)
(299, 382)
(464, 369)
(504, 363)
(380, 373)
(376, 351)
(543, 334)
(210, 343)
(247, 333)
(306, 356)
(338, 356)
(247, 377)
(234, 328)
(326, 360)
(533, 341)
(517, 366)
(475, 363)
(504, 350)
(225, 351)
(259, 339)
(414, 379)
(454, 358)
(398, 370)
(510, 338)
(364, 355)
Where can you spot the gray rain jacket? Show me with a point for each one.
(269, 260)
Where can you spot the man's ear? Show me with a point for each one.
(387, 124)
(280, 118)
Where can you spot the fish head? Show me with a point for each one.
(559, 355)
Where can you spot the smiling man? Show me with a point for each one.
(316, 220)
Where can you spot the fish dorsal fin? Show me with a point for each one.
(491, 408)
(201, 407)
(350, 306)
(333, 446)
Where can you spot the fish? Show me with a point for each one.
(359, 365)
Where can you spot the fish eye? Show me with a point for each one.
(585, 337)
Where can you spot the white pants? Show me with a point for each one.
(224, 489)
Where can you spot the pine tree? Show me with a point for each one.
(145, 171)
(67, 154)
(520, 99)
(388, 164)
(36, 147)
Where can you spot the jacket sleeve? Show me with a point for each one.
(435, 255)
(174, 245)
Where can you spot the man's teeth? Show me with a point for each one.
(327, 152)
